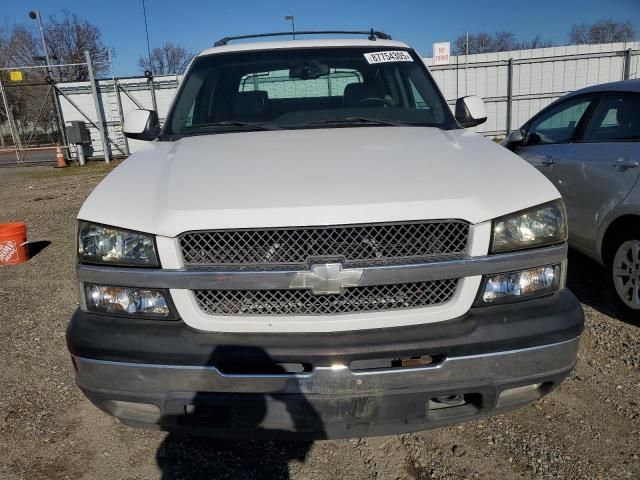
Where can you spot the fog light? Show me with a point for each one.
(138, 412)
(127, 301)
(523, 394)
(505, 287)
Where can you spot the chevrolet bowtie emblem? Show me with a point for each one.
(327, 278)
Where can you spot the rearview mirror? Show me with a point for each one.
(141, 125)
(470, 111)
(308, 70)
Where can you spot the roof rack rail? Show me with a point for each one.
(373, 35)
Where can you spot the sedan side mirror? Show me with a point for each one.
(515, 136)
(514, 139)
(470, 111)
(142, 125)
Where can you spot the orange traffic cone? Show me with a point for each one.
(60, 161)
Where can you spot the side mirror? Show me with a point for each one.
(470, 111)
(142, 125)
(514, 139)
(515, 136)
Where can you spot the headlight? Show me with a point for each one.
(126, 301)
(511, 286)
(101, 244)
(542, 225)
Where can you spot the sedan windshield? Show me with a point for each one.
(306, 88)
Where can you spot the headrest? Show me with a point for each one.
(250, 104)
(627, 113)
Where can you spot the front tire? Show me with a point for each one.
(625, 273)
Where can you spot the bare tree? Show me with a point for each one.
(170, 59)
(536, 42)
(602, 31)
(18, 46)
(504, 41)
(67, 40)
(499, 42)
(478, 43)
(482, 42)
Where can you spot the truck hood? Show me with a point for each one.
(315, 177)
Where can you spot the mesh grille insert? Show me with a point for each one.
(351, 243)
(303, 302)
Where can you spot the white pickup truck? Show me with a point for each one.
(314, 246)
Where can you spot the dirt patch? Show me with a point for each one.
(588, 428)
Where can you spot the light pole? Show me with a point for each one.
(35, 15)
(291, 18)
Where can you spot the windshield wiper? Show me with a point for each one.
(205, 127)
(355, 120)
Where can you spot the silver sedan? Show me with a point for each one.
(588, 144)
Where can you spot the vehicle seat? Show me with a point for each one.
(250, 105)
(628, 117)
(356, 92)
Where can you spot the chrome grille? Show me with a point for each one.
(303, 302)
(352, 244)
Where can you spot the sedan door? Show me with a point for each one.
(599, 170)
(548, 134)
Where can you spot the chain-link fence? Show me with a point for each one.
(31, 124)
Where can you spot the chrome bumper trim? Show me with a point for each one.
(494, 368)
(192, 279)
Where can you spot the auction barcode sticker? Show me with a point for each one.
(388, 56)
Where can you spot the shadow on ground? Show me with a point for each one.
(196, 458)
(252, 416)
(36, 247)
(588, 281)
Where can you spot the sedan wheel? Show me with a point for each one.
(626, 273)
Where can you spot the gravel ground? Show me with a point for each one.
(588, 428)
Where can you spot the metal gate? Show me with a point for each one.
(30, 121)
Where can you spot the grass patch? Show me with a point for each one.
(91, 168)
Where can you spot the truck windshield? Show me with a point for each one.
(306, 88)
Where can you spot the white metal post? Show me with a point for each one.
(466, 67)
(96, 101)
(10, 119)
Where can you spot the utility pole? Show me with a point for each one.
(291, 18)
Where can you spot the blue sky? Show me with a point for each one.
(197, 24)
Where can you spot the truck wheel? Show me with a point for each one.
(625, 273)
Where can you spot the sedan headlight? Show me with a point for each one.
(113, 246)
(542, 225)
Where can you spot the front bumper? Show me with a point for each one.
(491, 360)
